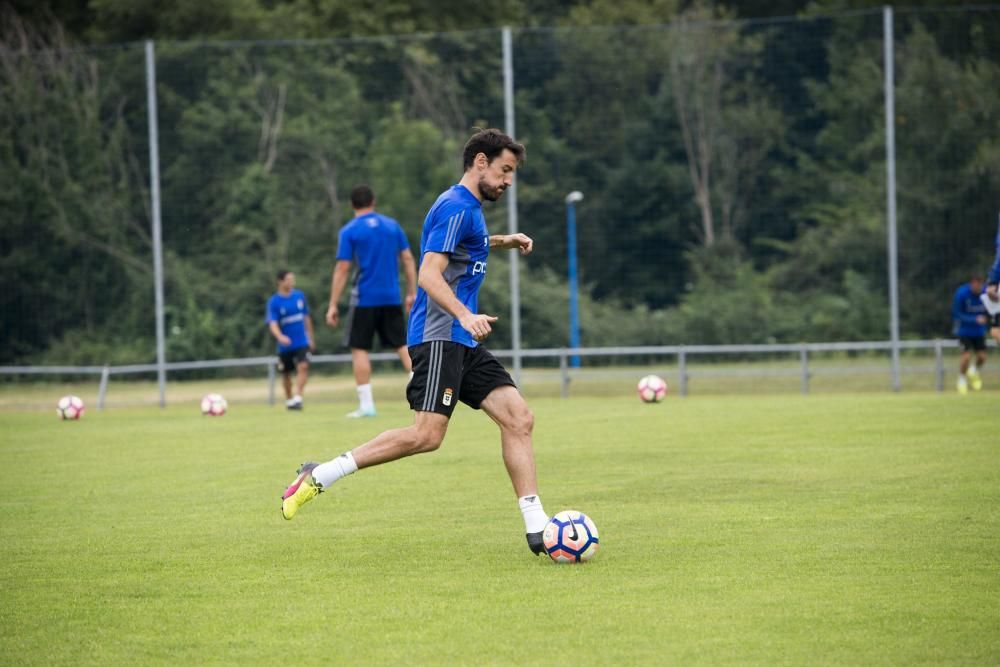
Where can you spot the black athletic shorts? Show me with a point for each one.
(289, 361)
(970, 343)
(364, 322)
(445, 373)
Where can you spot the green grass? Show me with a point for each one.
(843, 529)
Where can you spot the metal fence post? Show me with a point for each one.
(682, 370)
(102, 391)
(272, 376)
(804, 362)
(563, 375)
(938, 366)
(890, 190)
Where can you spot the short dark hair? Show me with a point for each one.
(490, 143)
(281, 274)
(362, 196)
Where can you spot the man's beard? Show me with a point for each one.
(489, 192)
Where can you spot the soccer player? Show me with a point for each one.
(969, 313)
(993, 288)
(445, 332)
(378, 245)
(289, 322)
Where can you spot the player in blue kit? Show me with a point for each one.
(378, 245)
(993, 288)
(969, 313)
(445, 332)
(290, 323)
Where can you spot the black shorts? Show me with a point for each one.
(289, 361)
(445, 373)
(970, 343)
(363, 322)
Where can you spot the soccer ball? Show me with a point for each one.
(213, 405)
(652, 389)
(70, 407)
(570, 537)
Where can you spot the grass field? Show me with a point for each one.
(843, 529)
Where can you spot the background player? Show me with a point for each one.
(449, 365)
(378, 245)
(993, 287)
(969, 313)
(289, 321)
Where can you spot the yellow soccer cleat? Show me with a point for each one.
(975, 380)
(962, 386)
(301, 491)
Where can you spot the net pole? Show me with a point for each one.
(890, 191)
(515, 276)
(154, 189)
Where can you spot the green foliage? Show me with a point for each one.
(769, 135)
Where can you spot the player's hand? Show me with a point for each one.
(408, 303)
(332, 316)
(284, 340)
(993, 292)
(520, 241)
(478, 325)
(982, 319)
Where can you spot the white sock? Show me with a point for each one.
(365, 397)
(411, 376)
(328, 473)
(535, 517)
(297, 398)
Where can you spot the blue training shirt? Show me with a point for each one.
(373, 242)
(455, 226)
(964, 309)
(994, 277)
(290, 312)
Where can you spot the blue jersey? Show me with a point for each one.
(965, 308)
(290, 312)
(455, 226)
(373, 242)
(994, 277)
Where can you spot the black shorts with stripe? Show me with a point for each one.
(365, 321)
(445, 373)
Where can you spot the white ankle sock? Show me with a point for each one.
(535, 517)
(365, 397)
(328, 473)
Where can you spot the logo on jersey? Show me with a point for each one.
(486, 241)
(446, 398)
(300, 304)
(479, 267)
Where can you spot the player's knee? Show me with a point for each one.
(522, 421)
(427, 440)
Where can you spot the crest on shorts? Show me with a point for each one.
(446, 397)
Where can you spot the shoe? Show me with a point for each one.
(975, 380)
(301, 491)
(359, 413)
(963, 386)
(535, 542)
(293, 406)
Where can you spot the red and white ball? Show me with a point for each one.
(213, 405)
(652, 389)
(70, 407)
(570, 537)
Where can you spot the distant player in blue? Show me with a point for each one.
(290, 323)
(969, 314)
(377, 245)
(993, 288)
(446, 329)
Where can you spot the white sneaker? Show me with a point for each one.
(359, 413)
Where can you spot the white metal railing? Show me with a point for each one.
(683, 353)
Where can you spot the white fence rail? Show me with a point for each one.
(682, 353)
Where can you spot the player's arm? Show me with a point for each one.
(341, 270)
(519, 241)
(276, 332)
(431, 280)
(410, 271)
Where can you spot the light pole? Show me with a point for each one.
(574, 313)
